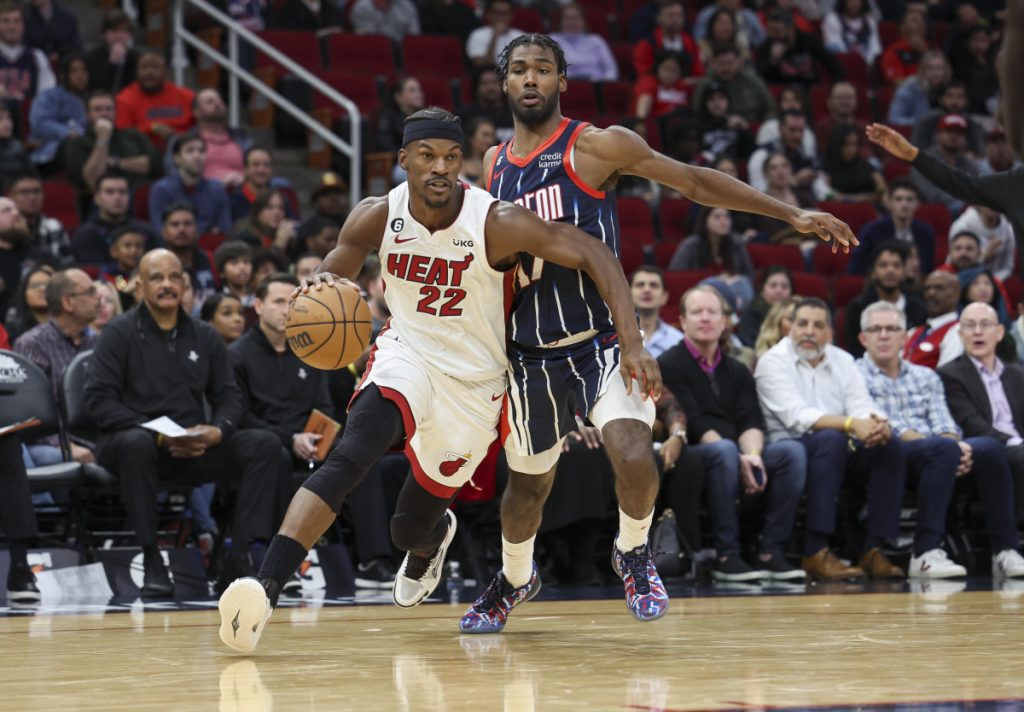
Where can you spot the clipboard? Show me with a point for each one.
(326, 426)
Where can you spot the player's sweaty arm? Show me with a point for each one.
(362, 233)
(619, 150)
(512, 229)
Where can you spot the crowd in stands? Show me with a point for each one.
(128, 196)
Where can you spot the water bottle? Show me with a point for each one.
(455, 584)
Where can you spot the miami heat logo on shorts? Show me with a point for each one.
(453, 463)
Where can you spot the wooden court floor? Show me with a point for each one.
(706, 654)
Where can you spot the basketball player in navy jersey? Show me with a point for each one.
(561, 340)
(436, 377)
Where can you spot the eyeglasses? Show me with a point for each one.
(889, 329)
(978, 325)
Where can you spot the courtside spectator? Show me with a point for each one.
(793, 97)
(900, 59)
(776, 326)
(308, 264)
(152, 104)
(780, 184)
(127, 245)
(728, 22)
(725, 426)
(14, 252)
(900, 224)
(258, 177)
(59, 112)
(486, 42)
(649, 296)
(329, 198)
(225, 145)
(318, 235)
(776, 288)
(949, 149)
(94, 237)
(52, 29)
(320, 17)
(19, 521)
(24, 70)
(136, 377)
(913, 99)
(181, 237)
(104, 148)
(790, 55)
(13, 154)
(110, 306)
(886, 282)
(46, 234)
(911, 397)
(30, 308)
(723, 132)
(187, 184)
(73, 302)
(112, 63)
(479, 138)
(587, 53)
(850, 27)
(233, 262)
(978, 285)
(267, 224)
(392, 18)
(716, 247)
(937, 342)
(792, 125)
(998, 156)
(265, 262)
(842, 111)
(986, 396)
(812, 391)
(748, 95)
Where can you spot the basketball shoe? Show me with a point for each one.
(489, 613)
(646, 596)
(244, 612)
(418, 576)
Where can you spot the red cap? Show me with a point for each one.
(953, 122)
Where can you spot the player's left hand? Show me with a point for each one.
(638, 364)
(321, 279)
(827, 227)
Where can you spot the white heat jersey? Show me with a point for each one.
(447, 303)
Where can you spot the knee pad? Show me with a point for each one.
(339, 475)
(409, 533)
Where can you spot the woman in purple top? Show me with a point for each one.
(587, 54)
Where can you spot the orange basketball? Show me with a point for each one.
(329, 328)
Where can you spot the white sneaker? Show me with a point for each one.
(418, 577)
(244, 612)
(934, 564)
(1007, 564)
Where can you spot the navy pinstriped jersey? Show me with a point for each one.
(552, 302)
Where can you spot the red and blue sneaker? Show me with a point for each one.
(489, 612)
(646, 596)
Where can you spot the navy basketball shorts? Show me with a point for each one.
(548, 386)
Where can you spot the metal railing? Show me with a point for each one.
(236, 72)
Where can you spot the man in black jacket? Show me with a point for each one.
(278, 394)
(999, 191)
(725, 424)
(986, 398)
(885, 283)
(156, 361)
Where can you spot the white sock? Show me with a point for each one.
(632, 532)
(517, 561)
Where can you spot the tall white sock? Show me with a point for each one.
(632, 532)
(517, 561)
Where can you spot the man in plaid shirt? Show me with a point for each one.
(913, 399)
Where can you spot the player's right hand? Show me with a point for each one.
(827, 227)
(638, 364)
(892, 141)
(321, 279)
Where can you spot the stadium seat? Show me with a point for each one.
(211, 241)
(635, 221)
(888, 32)
(856, 215)
(361, 89)
(623, 53)
(881, 98)
(528, 19)
(942, 249)
(810, 285)
(631, 256)
(894, 169)
(936, 215)
(363, 54)
(140, 202)
(92, 270)
(617, 98)
(855, 67)
(438, 91)
(845, 287)
(663, 252)
(677, 283)
(301, 47)
(767, 255)
(579, 99)
(839, 327)
(1014, 290)
(674, 219)
(828, 263)
(433, 55)
(61, 202)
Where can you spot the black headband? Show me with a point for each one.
(432, 128)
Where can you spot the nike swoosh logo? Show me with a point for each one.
(500, 395)
(399, 241)
(235, 625)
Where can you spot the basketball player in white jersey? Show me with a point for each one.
(436, 379)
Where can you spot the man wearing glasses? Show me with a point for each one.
(987, 398)
(73, 302)
(931, 445)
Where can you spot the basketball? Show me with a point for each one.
(328, 329)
